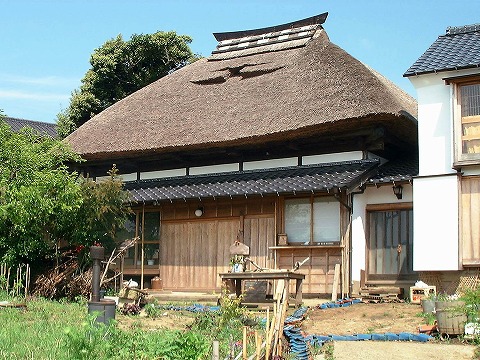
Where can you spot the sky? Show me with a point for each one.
(46, 44)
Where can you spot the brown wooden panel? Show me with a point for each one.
(193, 252)
(319, 270)
(470, 216)
(259, 235)
(227, 234)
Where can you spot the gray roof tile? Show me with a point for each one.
(459, 48)
(318, 178)
(396, 171)
(42, 128)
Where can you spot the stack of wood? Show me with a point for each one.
(377, 294)
(53, 284)
(274, 328)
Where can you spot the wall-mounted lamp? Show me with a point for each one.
(397, 190)
(199, 211)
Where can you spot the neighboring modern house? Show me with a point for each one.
(42, 128)
(278, 132)
(447, 188)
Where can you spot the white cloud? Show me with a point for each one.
(53, 81)
(18, 94)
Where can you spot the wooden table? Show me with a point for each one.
(237, 278)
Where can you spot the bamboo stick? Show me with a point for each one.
(8, 279)
(27, 279)
(267, 332)
(258, 344)
(244, 344)
(216, 352)
(271, 332)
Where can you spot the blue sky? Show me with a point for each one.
(46, 44)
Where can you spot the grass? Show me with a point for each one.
(64, 330)
(38, 330)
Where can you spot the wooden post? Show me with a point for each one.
(258, 344)
(336, 279)
(244, 344)
(216, 352)
(143, 246)
(267, 333)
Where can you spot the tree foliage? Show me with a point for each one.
(119, 68)
(43, 204)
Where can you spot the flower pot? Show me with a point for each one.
(450, 317)
(428, 306)
(236, 268)
(151, 262)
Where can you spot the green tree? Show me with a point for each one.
(38, 195)
(44, 204)
(119, 68)
(103, 211)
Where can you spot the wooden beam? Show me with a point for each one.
(336, 280)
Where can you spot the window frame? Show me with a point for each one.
(459, 157)
(312, 241)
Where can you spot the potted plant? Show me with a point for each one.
(151, 252)
(428, 303)
(237, 263)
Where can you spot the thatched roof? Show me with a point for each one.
(283, 89)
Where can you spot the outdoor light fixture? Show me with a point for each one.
(397, 190)
(199, 211)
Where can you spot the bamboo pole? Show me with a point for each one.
(258, 344)
(8, 279)
(143, 247)
(27, 279)
(244, 344)
(216, 352)
(267, 332)
(336, 279)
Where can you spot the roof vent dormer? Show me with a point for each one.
(274, 38)
(454, 30)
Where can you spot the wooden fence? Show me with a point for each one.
(15, 281)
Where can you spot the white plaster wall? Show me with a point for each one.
(435, 121)
(372, 195)
(214, 169)
(435, 218)
(435, 127)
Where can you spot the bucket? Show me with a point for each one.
(450, 319)
(157, 283)
(428, 306)
(104, 309)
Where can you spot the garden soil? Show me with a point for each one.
(381, 318)
(356, 319)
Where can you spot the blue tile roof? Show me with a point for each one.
(459, 48)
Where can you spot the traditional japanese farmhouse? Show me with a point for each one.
(447, 188)
(280, 140)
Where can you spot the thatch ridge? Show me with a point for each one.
(252, 98)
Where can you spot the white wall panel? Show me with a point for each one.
(435, 218)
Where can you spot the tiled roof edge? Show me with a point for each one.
(318, 19)
(147, 182)
(453, 30)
